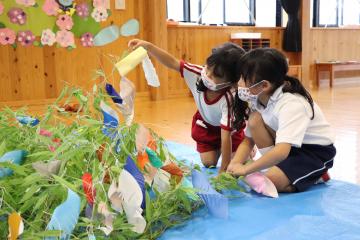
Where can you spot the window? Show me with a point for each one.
(351, 12)
(239, 12)
(194, 10)
(335, 13)
(265, 13)
(211, 11)
(264, 9)
(173, 12)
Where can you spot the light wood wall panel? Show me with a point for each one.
(28, 74)
(194, 44)
(33, 73)
(326, 44)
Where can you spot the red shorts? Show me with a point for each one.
(209, 138)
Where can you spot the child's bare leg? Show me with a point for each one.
(262, 135)
(210, 158)
(280, 180)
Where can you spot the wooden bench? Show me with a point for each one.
(333, 67)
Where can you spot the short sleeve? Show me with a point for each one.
(294, 120)
(190, 73)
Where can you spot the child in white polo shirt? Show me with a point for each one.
(286, 125)
(210, 86)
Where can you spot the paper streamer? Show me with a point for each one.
(131, 167)
(154, 159)
(125, 100)
(111, 120)
(141, 138)
(16, 226)
(14, 157)
(162, 181)
(65, 216)
(107, 35)
(217, 204)
(127, 195)
(113, 94)
(47, 169)
(174, 170)
(108, 218)
(150, 73)
(127, 93)
(26, 120)
(88, 188)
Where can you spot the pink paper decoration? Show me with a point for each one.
(261, 184)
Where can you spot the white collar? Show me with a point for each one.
(274, 98)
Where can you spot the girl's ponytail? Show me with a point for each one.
(240, 114)
(293, 85)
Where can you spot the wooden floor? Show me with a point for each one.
(341, 105)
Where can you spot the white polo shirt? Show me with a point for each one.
(289, 115)
(215, 112)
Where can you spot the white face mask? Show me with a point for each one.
(245, 95)
(209, 84)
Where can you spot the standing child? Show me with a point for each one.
(288, 128)
(210, 85)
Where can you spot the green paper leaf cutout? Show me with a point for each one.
(82, 26)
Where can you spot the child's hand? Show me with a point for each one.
(237, 169)
(135, 43)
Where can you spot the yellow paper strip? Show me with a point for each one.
(16, 226)
(131, 61)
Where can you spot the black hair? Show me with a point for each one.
(271, 65)
(225, 61)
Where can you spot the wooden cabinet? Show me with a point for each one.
(252, 43)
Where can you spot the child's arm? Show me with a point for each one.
(242, 155)
(271, 158)
(243, 152)
(226, 149)
(161, 55)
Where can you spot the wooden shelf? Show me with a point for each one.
(252, 43)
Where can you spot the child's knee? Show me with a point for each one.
(208, 163)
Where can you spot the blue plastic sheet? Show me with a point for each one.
(326, 211)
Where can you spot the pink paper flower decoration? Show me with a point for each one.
(101, 3)
(99, 14)
(27, 3)
(7, 36)
(262, 184)
(82, 10)
(26, 38)
(48, 37)
(17, 16)
(65, 38)
(87, 40)
(50, 7)
(1, 8)
(64, 22)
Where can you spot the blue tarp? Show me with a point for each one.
(326, 211)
